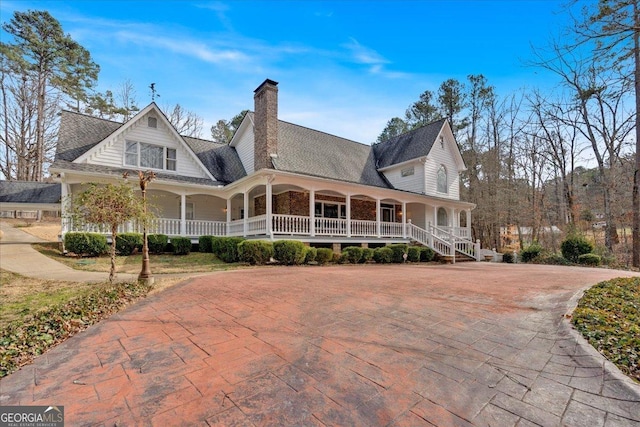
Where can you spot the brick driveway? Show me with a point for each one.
(450, 345)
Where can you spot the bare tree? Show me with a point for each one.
(596, 92)
(186, 122)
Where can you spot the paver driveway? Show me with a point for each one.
(403, 345)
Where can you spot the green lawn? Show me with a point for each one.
(195, 262)
(608, 316)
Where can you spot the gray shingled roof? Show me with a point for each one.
(311, 152)
(221, 160)
(118, 172)
(411, 145)
(29, 192)
(79, 133)
(300, 150)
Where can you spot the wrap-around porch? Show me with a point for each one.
(285, 210)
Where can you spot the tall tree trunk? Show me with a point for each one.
(635, 261)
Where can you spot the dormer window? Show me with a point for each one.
(142, 155)
(152, 122)
(442, 180)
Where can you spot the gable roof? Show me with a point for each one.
(29, 192)
(411, 145)
(310, 152)
(79, 133)
(148, 109)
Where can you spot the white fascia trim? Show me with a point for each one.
(406, 162)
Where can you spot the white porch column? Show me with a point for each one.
(269, 207)
(228, 216)
(435, 216)
(183, 214)
(404, 220)
(453, 217)
(468, 213)
(65, 207)
(312, 212)
(245, 219)
(378, 218)
(348, 209)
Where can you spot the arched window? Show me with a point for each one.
(442, 180)
(463, 219)
(443, 220)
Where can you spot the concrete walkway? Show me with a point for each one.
(399, 345)
(17, 255)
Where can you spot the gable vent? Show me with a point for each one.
(152, 122)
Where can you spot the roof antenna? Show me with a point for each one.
(154, 92)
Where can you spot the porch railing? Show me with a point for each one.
(331, 226)
(206, 228)
(444, 240)
(291, 224)
(362, 228)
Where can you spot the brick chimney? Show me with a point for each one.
(266, 124)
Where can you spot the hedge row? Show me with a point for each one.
(575, 249)
(94, 244)
(254, 252)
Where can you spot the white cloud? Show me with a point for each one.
(182, 46)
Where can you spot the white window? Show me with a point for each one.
(131, 154)
(140, 154)
(407, 171)
(388, 213)
(443, 219)
(330, 210)
(442, 180)
(170, 161)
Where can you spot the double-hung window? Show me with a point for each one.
(150, 156)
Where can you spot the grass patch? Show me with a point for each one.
(44, 322)
(608, 316)
(195, 262)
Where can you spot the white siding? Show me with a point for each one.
(439, 156)
(111, 151)
(245, 150)
(413, 183)
(416, 213)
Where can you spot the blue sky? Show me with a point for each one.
(344, 67)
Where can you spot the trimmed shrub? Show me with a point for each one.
(531, 252)
(216, 245)
(127, 243)
(181, 245)
(352, 254)
(289, 252)
(413, 254)
(367, 255)
(324, 255)
(574, 246)
(383, 255)
(508, 257)
(86, 244)
(590, 259)
(426, 254)
(398, 249)
(255, 252)
(157, 243)
(338, 258)
(205, 244)
(554, 260)
(310, 254)
(226, 248)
